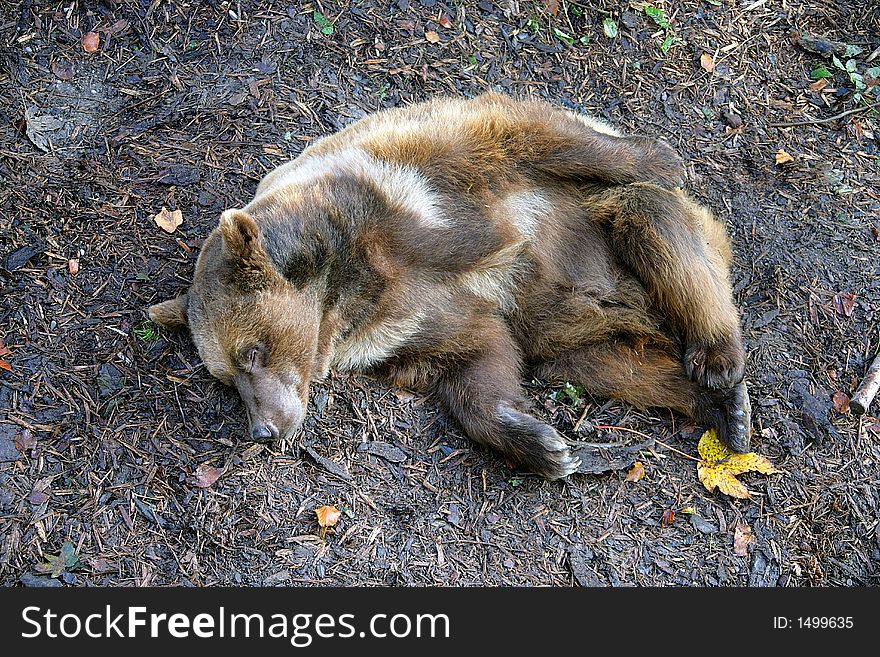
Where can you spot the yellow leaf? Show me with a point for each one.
(782, 157)
(432, 36)
(636, 472)
(707, 62)
(328, 515)
(168, 221)
(91, 41)
(719, 466)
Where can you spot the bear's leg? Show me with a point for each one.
(682, 256)
(650, 376)
(482, 392)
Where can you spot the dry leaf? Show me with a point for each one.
(819, 84)
(62, 69)
(37, 497)
(5, 366)
(445, 22)
(668, 517)
(432, 36)
(782, 157)
(552, 6)
(742, 539)
(636, 472)
(719, 466)
(707, 62)
(101, 565)
(206, 475)
(840, 401)
(844, 303)
(119, 26)
(25, 441)
(328, 515)
(73, 266)
(688, 510)
(91, 41)
(168, 221)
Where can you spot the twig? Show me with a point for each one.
(644, 435)
(867, 388)
(827, 119)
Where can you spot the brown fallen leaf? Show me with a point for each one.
(782, 157)
(819, 84)
(552, 6)
(841, 402)
(206, 475)
(5, 366)
(168, 221)
(742, 539)
(91, 41)
(73, 266)
(636, 472)
(63, 70)
(37, 497)
(328, 515)
(432, 36)
(25, 441)
(668, 517)
(118, 27)
(445, 22)
(707, 62)
(719, 466)
(844, 303)
(101, 565)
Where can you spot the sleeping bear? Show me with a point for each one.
(456, 246)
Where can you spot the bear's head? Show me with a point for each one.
(254, 328)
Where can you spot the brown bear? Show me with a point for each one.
(454, 245)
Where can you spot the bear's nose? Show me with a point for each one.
(261, 431)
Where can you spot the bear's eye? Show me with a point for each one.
(253, 357)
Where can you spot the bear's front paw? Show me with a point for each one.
(535, 445)
(720, 364)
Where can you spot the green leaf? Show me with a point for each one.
(573, 392)
(874, 72)
(325, 25)
(609, 27)
(852, 51)
(658, 16)
(820, 72)
(667, 44)
(68, 554)
(562, 36)
(837, 63)
(850, 65)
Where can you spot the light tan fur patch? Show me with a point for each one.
(374, 344)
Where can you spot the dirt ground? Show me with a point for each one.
(104, 421)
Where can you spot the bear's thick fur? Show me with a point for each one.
(457, 244)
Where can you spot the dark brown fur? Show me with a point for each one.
(454, 245)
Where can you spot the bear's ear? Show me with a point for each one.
(170, 314)
(241, 241)
(241, 235)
